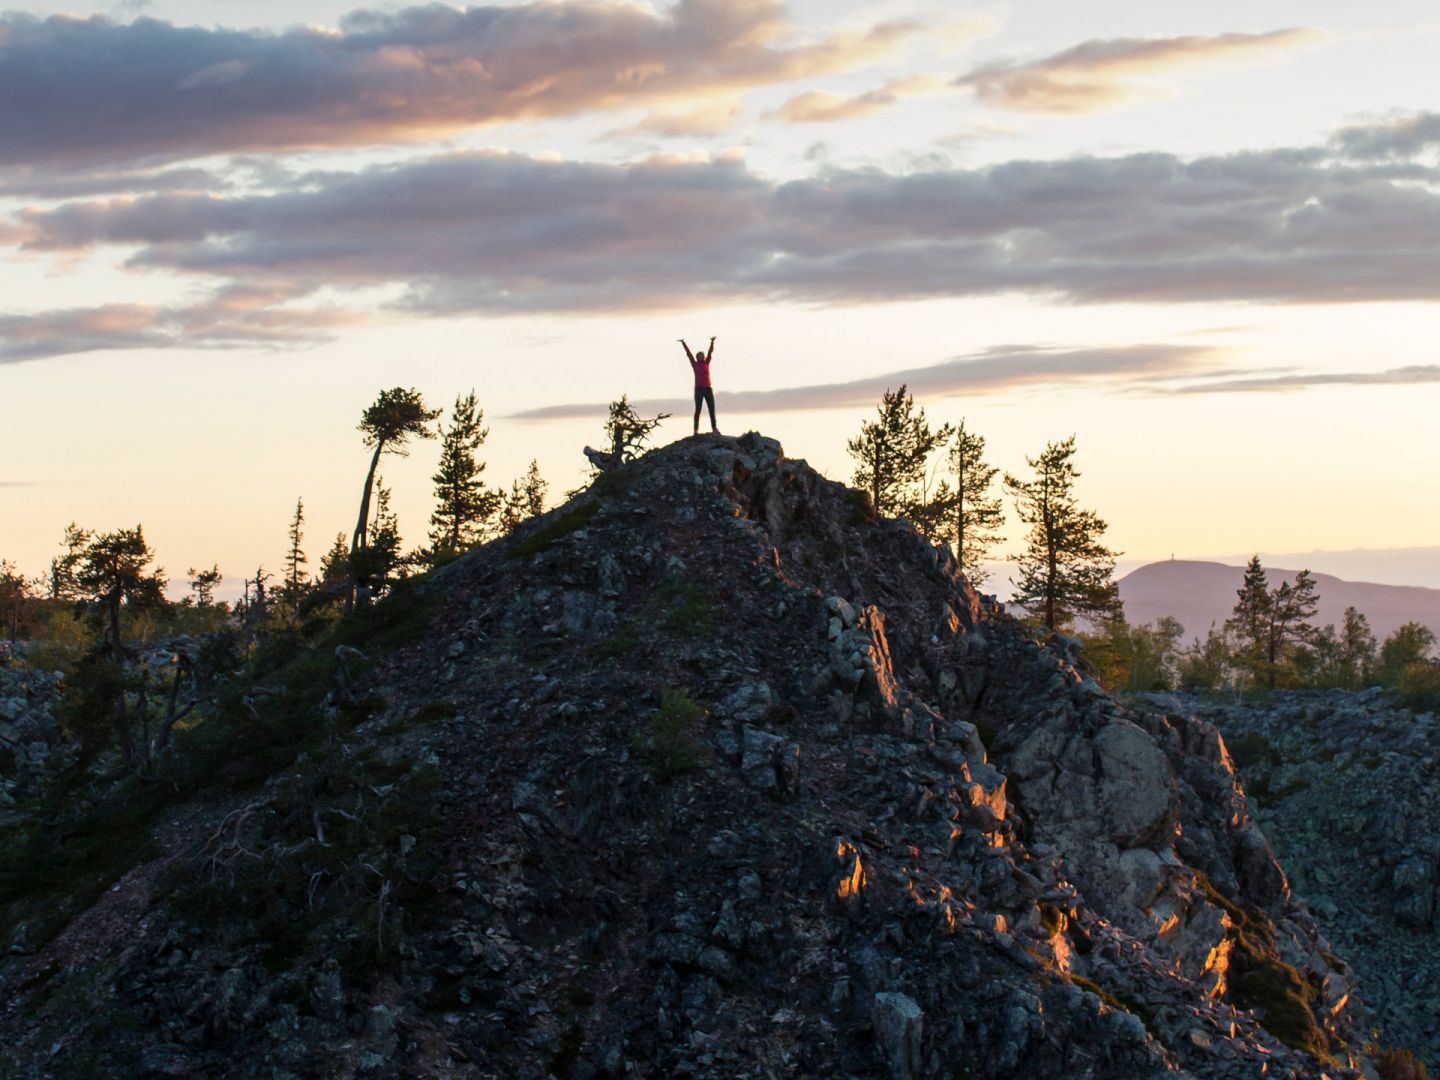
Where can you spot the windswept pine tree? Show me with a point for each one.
(388, 425)
(891, 452)
(1065, 572)
(464, 506)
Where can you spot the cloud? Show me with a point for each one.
(710, 118)
(1402, 137)
(819, 106)
(1105, 74)
(1416, 374)
(232, 317)
(498, 233)
(148, 89)
(1005, 367)
(57, 184)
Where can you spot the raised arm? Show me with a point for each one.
(711, 355)
(688, 353)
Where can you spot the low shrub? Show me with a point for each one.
(669, 750)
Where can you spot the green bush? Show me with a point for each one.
(670, 751)
(1419, 687)
(688, 610)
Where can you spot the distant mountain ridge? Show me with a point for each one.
(1201, 593)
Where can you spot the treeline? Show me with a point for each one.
(113, 572)
(138, 664)
(1270, 641)
(938, 478)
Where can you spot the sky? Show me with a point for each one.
(1203, 239)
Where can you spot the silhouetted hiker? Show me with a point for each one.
(704, 394)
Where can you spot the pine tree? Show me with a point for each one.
(1272, 625)
(295, 558)
(1065, 572)
(969, 515)
(890, 455)
(114, 574)
(464, 505)
(63, 568)
(202, 584)
(388, 425)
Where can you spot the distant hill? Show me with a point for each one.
(1201, 593)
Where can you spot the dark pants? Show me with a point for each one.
(704, 395)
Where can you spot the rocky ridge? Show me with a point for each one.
(707, 773)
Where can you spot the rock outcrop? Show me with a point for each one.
(30, 743)
(708, 773)
(1344, 784)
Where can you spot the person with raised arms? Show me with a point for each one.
(704, 393)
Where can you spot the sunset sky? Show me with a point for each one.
(1205, 239)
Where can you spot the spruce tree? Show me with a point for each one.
(464, 506)
(525, 500)
(968, 516)
(1065, 572)
(890, 455)
(335, 564)
(375, 565)
(295, 558)
(1249, 622)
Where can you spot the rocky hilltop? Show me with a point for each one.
(707, 773)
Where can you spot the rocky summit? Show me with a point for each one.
(707, 773)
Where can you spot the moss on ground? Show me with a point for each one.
(541, 538)
(1262, 980)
